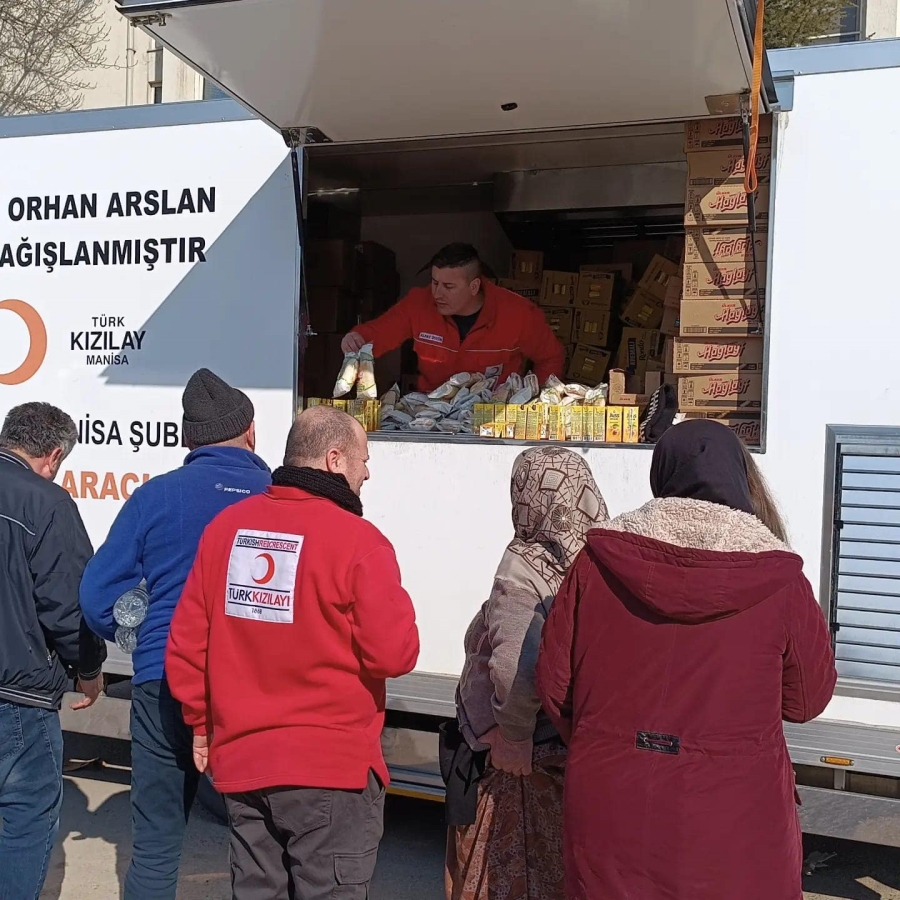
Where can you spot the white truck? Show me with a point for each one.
(139, 244)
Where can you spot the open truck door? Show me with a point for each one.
(353, 70)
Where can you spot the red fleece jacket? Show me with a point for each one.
(290, 622)
(509, 330)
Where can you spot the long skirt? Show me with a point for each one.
(513, 849)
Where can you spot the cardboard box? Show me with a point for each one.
(691, 356)
(591, 327)
(720, 318)
(560, 319)
(723, 205)
(637, 346)
(673, 293)
(727, 279)
(710, 167)
(625, 270)
(526, 265)
(748, 427)
(717, 133)
(588, 365)
(529, 289)
(632, 390)
(724, 391)
(330, 264)
(595, 290)
(671, 322)
(655, 280)
(559, 288)
(642, 310)
(521, 420)
(614, 423)
(723, 246)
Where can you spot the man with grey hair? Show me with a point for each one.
(290, 622)
(44, 640)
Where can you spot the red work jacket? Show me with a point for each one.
(509, 330)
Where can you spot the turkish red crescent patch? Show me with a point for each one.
(262, 576)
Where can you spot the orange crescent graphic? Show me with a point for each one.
(270, 571)
(37, 342)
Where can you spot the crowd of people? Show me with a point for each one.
(619, 714)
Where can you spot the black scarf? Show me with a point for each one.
(701, 460)
(323, 484)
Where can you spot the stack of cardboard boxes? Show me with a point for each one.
(347, 282)
(716, 347)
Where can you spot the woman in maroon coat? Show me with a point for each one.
(681, 638)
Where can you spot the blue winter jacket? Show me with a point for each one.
(155, 537)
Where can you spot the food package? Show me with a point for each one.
(461, 380)
(554, 384)
(396, 417)
(446, 391)
(347, 376)
(391, 398)
(521, 397)
(515, 382)
(596, 396)
(439, 407)
(460, 397)
(576, 391)
(502, 394)
(365, 384)
(531, 380)
(551, 396)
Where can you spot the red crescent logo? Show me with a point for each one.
(270, 570)
(37, 342)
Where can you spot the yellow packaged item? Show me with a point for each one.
(614, 415)
(631, 425)
(521, 421)
(535, 421)
(598, 414)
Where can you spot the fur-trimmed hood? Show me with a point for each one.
(693, 561)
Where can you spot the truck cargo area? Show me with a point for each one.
(610, 199)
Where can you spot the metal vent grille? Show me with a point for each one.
(866, 586)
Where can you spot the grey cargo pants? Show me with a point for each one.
(305, 843)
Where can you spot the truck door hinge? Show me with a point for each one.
(157, 18)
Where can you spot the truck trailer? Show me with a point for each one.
(139, 244)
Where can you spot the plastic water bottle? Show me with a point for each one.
(131, 608)
(126, 639)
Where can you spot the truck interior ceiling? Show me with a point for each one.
(602, 207)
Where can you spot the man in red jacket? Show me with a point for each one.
(290, 622)
(464, 323)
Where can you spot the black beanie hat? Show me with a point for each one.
(214, 412)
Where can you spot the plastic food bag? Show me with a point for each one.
(521, 397)
(347, 376)
(531, 381)
(554, 384)
(596, 396)
(502, 394)
(514, 382)
(576, 390)
(396, 416)
(461, 379)
(365, 379)
(551, 397)
(446, 391)
(390, 399)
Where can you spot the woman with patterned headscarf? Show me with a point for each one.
(506, 843)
